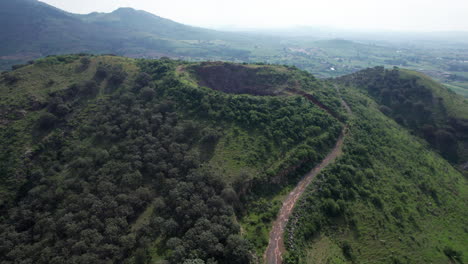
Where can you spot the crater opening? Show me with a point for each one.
(244, 79)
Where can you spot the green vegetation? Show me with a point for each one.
(109, 159)
(119, 160)
(125, 32)
(386, 200)
(139, 34)
(420, 104)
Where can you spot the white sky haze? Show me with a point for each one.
(398, 15)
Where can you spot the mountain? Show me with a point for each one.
(388, 199)
(132, 20)
(108, 159)
(107, 155)
(417, 102)
(34, 29)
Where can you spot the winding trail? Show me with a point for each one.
(275, 249)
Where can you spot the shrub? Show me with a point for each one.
(331, 208)
(347, 250)
(85, 61)
(142, 80)
(89, 88)
(101, 73)
(59, 110)
(47, 121)
(118, 76)
(49, 83)
(11, 78)
(147, 93)
(377, 201)
(453, 254)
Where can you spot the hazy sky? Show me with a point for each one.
(401, 15)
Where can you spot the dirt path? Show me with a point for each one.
(275, 249)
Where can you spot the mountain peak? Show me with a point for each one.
(124, 9)
(128, 11)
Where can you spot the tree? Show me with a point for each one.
(147, 93)
(89, 88)
(10, 78)
(118, 76)
(85, 62)
(101, 72)
(143, 79)
(237, 250)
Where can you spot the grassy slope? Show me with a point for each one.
(420, 209)
(419, 103)
(457, 106)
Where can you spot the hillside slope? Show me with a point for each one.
(108, 159)
(33, 29)
(424, 106)
(388, 199)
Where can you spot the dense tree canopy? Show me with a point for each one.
(117, 168)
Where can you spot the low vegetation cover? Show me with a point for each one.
(388, 199)
(108, 159)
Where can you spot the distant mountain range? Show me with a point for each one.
(32, 29)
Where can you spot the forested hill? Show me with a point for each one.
(109, 159)
(417, 102)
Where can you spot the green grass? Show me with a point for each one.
(460, 88)
(323, 250)
(423, 197)
(50, 74)
(456, 105)
(237, 154)
(256, 224)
